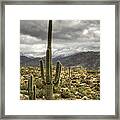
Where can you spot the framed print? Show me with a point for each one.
(60, 60)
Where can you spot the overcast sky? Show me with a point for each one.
(69, 37)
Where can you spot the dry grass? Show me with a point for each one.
(79, 84)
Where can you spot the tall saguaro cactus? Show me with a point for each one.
(49, 45)
(49, 81)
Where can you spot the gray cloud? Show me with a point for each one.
(69, 36)
(62, 29)
(27, 39)
(36, 28)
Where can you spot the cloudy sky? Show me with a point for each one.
(69, 37)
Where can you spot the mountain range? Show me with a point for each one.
(89, 60)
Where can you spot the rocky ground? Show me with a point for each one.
(79, 84)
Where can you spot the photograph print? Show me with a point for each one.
(59, 59)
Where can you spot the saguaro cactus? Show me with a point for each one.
(49, 82)
(41, 68)
(30, 87)
(69, 72)
(49, 45)
(34, 92)
(58, 71)
(48, 77)
(50, 34)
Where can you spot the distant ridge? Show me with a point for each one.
(89, 60)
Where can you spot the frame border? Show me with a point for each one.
(2, 56)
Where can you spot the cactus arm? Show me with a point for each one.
(58, 71)
(41, 68)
